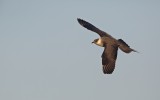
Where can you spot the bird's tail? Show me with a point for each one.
(125, 47)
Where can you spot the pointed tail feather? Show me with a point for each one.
(125, 47)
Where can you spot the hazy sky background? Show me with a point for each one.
(46, 55)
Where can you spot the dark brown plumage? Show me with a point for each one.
(110, 45)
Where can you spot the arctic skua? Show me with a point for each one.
(110, 45)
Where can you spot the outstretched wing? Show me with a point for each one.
(109, 57)
(92, 28)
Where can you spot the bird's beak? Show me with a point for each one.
(92, 42)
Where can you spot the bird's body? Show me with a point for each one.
(110, 45)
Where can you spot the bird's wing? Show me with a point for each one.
(109, 57)
(124, 46)
(93, 28)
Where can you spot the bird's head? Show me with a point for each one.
(98, 42)
(95, 41)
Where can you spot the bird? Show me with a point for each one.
(110, 44)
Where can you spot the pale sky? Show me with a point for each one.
(46, 55)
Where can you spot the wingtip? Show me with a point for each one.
(107, 72)
(78, 19)
(107, 69)
(81, 22)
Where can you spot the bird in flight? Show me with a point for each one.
(110, 45)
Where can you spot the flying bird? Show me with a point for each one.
(110, 45)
